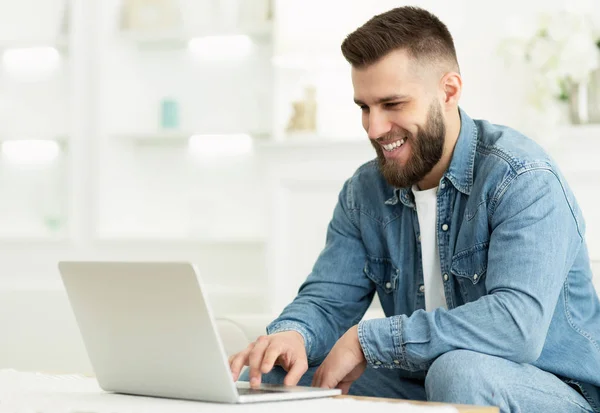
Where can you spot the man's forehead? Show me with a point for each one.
(393, 75)
(381, 88)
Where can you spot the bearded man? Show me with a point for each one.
(469, 234)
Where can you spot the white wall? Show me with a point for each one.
(247, 222)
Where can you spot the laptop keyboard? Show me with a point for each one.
(247, 391)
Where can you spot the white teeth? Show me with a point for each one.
(390, 147)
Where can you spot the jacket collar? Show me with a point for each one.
(460, 171)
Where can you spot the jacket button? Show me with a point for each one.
(445, 227)
(422, 288)
(388, 285)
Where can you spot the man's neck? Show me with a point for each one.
(432, 179)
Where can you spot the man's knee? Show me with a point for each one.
(468, 377)
(459, 376)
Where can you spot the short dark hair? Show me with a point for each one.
(409, 28)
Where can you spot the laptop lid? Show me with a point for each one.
(148, 329)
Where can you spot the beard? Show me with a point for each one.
(426, 151)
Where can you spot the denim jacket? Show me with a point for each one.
(515, 266)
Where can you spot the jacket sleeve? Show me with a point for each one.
(337, 293)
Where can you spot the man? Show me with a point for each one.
(469, 234)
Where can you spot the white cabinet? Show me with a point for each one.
(209, 76)
(35, 108)
(578, 153)
(304, 180)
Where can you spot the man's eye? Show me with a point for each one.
(392, 105)
(364, 108)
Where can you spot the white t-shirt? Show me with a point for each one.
(426, 202)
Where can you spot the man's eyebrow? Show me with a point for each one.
(385, 99)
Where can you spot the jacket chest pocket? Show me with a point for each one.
(470, 269)
(385, 276)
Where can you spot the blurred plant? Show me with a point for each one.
(560, 48)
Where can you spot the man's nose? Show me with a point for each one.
(378, 126)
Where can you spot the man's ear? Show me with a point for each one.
(451, 87)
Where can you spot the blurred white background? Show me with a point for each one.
(220, 132)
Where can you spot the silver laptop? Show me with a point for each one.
(148, 330)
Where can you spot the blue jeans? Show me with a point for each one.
(464, 377)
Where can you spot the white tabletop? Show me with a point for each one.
(28, 392)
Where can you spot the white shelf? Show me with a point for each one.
(318, 143)
(147, 241)
(163, 38)
(578, 140)
(63, 139)
(20, 240)
(60, 42)
(577, 151)
(588, 133)
(584, 137)
(160, 138)
(168, 138)
(179, 38)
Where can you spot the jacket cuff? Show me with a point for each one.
(380, 341)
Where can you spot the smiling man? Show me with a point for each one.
(468, 233)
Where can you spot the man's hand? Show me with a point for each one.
(285, 349)
(344, 364)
